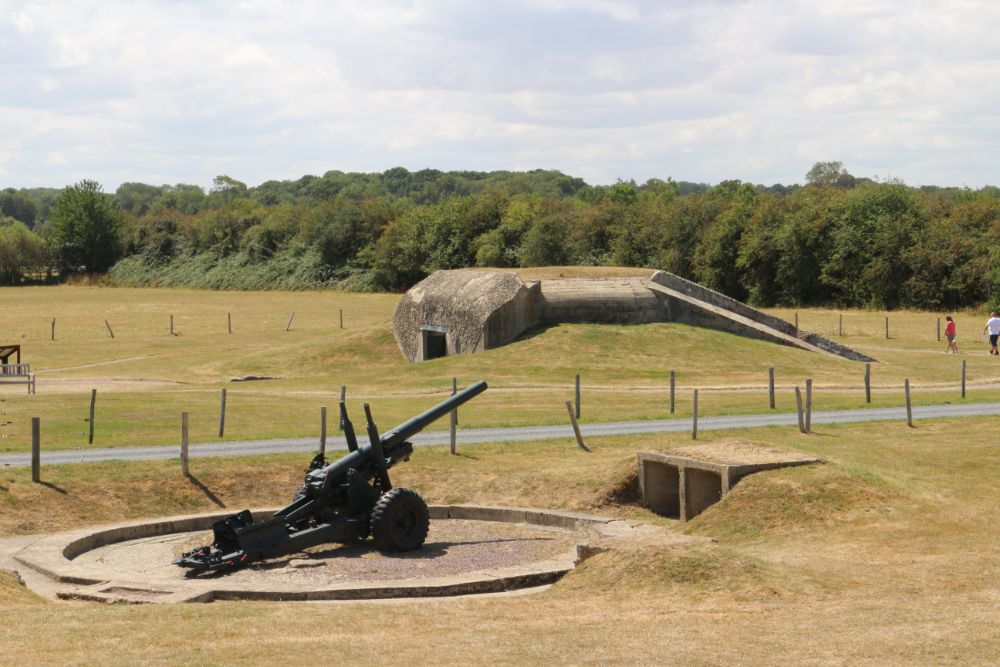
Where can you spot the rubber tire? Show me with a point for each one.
(399, 521)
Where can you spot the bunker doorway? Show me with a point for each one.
(434, 341)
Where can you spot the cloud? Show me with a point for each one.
(161, 91)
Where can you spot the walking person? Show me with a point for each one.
(993, 327)
(949, 333)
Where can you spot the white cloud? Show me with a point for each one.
(22, 21)
(163, 91)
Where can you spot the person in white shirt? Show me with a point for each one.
(993, 326)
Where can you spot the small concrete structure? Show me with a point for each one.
(683, 483)
(464, 311)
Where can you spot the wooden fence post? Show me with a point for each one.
(796, 324)
(798, 409)
(229, 322)
(36, 449)
(53, 328)
(184, 443)
(809, 405)
(576, 427)
(93, 399)
(109, 328)
(770, 387)
(694, 417)
(290, 318)
(343, 397)
(453, 432)
(222, 414)
(171, 325)
(673, 390)
(963, 378)
(887, 327)
(939, 329)
(840, 324)
(909, 408)
(341, 318)
(577, 395)
(868, 383)
(322, 430)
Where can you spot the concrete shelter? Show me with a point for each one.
(464, 310)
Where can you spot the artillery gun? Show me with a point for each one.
(344, 501)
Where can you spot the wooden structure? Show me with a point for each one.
(15, 373)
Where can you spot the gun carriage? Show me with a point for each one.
(348, 500)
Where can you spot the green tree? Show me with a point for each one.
(85, 229)
(830, 173)
(21, 251)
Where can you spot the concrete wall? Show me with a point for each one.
(600, 300)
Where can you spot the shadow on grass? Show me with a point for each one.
(55, 488)
(204, 489)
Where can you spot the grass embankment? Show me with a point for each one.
(885, 554)
(145, 377)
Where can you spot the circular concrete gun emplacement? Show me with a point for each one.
(470, 550)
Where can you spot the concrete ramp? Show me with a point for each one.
(694, 304)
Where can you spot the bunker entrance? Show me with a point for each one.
(702, 489)
(661, 483)
(435, 342)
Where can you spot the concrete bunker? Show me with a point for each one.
(464, 311)
(683, 483)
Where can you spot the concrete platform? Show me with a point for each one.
(470, 550)
(683, 482)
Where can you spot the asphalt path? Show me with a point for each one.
(475, 436)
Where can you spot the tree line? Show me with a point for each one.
(837, 240)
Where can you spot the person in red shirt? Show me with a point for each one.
(949, 333)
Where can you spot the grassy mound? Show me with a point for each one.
(794, 499)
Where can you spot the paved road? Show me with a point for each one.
(523, 433)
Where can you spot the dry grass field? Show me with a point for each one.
(885, 554)
(146, 377)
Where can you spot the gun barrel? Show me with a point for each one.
(425, 419)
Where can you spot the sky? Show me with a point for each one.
(169, 91)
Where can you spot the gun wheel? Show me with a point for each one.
(400, 521)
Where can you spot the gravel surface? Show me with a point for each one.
(453, 547)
